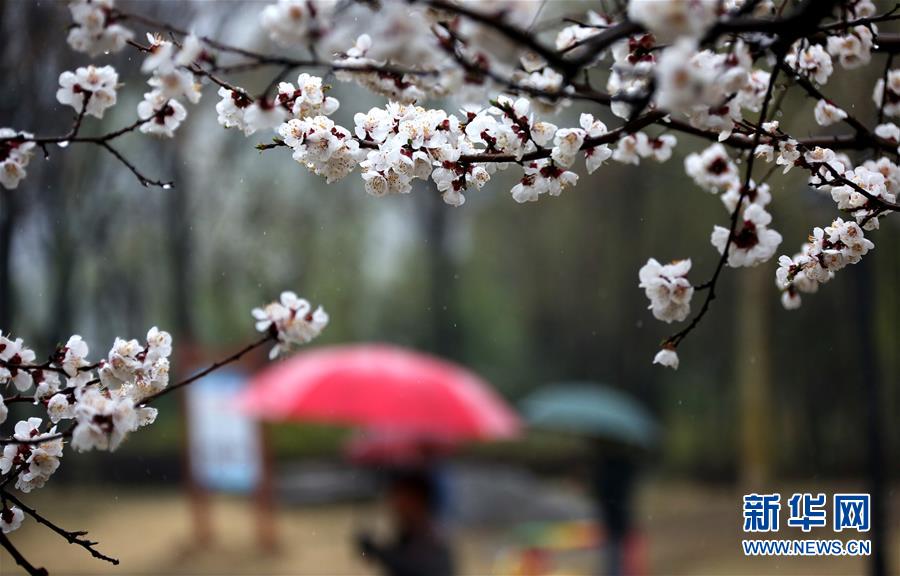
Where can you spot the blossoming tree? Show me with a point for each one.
(712, 69)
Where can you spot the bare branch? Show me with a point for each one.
(76, 538)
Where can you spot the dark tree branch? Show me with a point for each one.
(211, 368)
(675, 339)
(76, 538)
(19, 558)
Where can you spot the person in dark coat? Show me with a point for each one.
(417, 547)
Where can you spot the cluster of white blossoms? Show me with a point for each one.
(307, 99)
(397, 144)
(107, 399)
(850, 196)
(34, 460)
(322, 146)
(670, 293)
(103, 398)
(291, 320)
(828, 250)
(668, 289)
(15, 154)
(161, 110)
(752, 241)
(89, 88)
(674, 69)
(95, 30)
(710, 89)
(852, 49)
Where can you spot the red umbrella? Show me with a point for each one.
(381, 387)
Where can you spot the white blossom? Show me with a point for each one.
(192, 48)
(35, 460)
(14, 353)
(571, 36)
(668, 19)
(595, 156)
(892, 93)
(828, 114)
(668, 289)
(888, 131)
(658, 148)
(59, 408)
(231, 110)
(162, 115)
(322, 146)
(853, 49)
(627, 149)
(295, 22)
(93, 33)
(712, 170)
(788, 154)
(177, 83)
(752, 243)
(15, 154)
(566, 145)
(95, 85)
(542, 177)
(103, 419)
(264, 115)
(291, 320)
(72, 358)
(11, 519)
(812, 61)
(667, 357)
(308, 98)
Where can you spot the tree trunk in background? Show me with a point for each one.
(870, 376)
(434, 216)
(8, 210)
(179, 233)
(754, 374)
(178, 230)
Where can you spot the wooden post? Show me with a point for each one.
(265, 494)
(198, 498)
(753, 372)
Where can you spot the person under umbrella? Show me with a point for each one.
(417, 547)
(621, 431)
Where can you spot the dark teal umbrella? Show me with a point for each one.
(591, 409)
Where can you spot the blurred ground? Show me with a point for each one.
(687, 530)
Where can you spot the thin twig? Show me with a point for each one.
(675, 339)
(212, 367)
(76, 538)
(19, 558)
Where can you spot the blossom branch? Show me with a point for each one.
(674, 340)
(103, 141)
